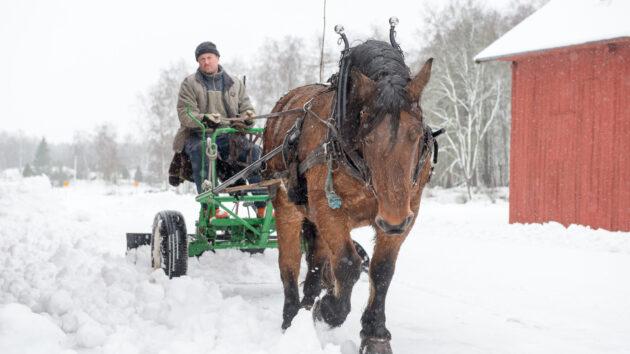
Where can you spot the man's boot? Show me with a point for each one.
(260, 212)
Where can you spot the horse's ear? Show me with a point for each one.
(362, 86)
(415, 87)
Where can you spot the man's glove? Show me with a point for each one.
(211, 120)
(214, 117)
(209, 124)
(249, 114)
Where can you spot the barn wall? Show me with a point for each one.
(570, 144)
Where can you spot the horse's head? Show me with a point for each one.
(390, 138)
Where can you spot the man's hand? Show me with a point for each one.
(214, 117)
(208, 123)
(211, 120)
(249, 114)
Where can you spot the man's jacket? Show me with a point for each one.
(229, 100)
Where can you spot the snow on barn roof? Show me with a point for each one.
(562, 23)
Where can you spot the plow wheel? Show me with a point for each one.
(169, 243)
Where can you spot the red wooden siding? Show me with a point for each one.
(570, 140)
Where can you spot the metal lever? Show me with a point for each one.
(340, 31)
(393, 21)
(244, 173)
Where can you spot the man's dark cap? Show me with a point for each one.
(206, 47)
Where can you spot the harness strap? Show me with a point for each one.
(355, 165)
(435, 143)
(423, 152)
(320, 155)
(314, 158)
(291, 139)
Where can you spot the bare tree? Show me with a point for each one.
(83, 156)
(159, 121)
(17, 149)
(471, 101)
(284, 67)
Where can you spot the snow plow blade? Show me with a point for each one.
(135, 240)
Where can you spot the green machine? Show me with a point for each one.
(171, 244)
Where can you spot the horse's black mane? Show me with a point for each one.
(386, 67)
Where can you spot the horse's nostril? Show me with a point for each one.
(408, 220)
(381, 223)
(394, 229)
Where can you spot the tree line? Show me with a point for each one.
(471, 101)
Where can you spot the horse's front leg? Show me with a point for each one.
(374, 335)
(345, 265)
(288, 226)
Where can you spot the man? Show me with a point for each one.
(212, 94)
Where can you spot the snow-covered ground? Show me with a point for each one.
(466, 282)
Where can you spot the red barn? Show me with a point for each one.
(570, 138)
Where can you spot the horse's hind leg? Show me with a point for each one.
(374, 335)
(288, 225)
(316, 257)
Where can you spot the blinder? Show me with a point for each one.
(429, 145)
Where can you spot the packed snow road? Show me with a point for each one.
(466, 282)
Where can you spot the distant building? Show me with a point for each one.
(570, 140)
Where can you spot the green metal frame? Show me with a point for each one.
(235, 231)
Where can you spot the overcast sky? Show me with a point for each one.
(67, 66)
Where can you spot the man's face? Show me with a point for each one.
(208, 63)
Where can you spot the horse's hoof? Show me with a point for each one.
(325, 310)
(372, 345)
(285, 325)
(307, 303)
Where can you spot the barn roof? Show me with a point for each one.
(563, 23)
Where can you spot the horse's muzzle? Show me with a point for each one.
(394, 229)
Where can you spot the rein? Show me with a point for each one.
(265, 116)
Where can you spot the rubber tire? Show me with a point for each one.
(169, 243)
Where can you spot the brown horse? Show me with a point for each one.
(383, 128)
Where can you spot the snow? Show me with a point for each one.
(563, 23)
(466, 282)
(28, 332)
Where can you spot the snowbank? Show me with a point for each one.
(466, 281)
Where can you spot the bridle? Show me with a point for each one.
(335, 147)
